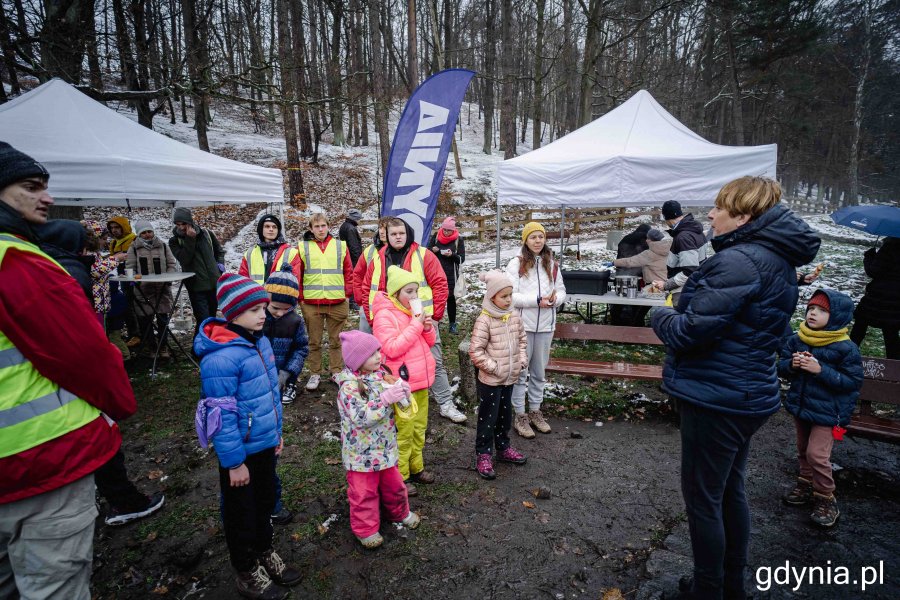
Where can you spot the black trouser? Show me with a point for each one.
(494, 417)
(131, 323)
(451, 307)
(162, 320)
(204, 304)
(115, 487)
(891, 337)
(714, 448)
(247, 510)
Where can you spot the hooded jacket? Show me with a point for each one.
(827, 398)
(404, 341)
(631, 245)
(64, 240)
(269, 251)
(498, 348)
(689, 247)
(155, 260)
(233, 367)
(722, 340)
(123, 243)
(879, 306)
(368, 432)
(359, 270)
(48, 319)
(651, 261)
(349, 234)
(199, 255)
(451, 263)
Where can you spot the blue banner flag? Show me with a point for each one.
(419, 152)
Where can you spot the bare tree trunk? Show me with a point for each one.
(853, 175)
(537, 102)
(198, 63)
(333, 69)
(299, 75)
(9, 60)
(295, 179)
(379, 94)
(62, 38)
(507, 100)
(412, 64)
(487, 79)
(586, 98)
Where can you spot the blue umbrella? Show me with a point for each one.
(875, 219)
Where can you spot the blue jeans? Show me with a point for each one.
(714, 449)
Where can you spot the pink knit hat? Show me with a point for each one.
(356, 348)
(449, 223)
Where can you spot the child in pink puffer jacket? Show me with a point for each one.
(498, 351)
(407, 335)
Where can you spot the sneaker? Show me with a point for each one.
(801, 495)
(485, 466)
(449, 411)
(411, 521)
(825, 510)
(117, 517)
(522, 426)
(313, 383)
(410, 489)
(281, 573)
(289, 394)
(371, 542)
(257, 584)
(537, 419)
(454, 328)
(511, 455)
(282, 517)
(133, 342)
(423, 476)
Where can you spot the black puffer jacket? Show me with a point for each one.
(631, 245)
(722, 340)
(688, 249)
(64, 240)
(451, 263)
(880, 306)
(349, 233)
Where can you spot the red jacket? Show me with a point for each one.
(359, 278)
(50, 321)
(297, 264)
(434, 276)
(244, 269)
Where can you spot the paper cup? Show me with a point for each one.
(415, 306)
(129, 273)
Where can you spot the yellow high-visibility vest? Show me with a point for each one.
(417, 268)
(323, 271)
(33, 409)
(257, 267)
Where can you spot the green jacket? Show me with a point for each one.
(198, 255)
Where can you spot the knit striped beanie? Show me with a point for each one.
(283, 285)
(237, 294)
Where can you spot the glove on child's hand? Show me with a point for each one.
(283, 378)
(221, 267)
(395, 393)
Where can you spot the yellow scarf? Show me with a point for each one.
(503, 317)
(400, 306)
(814, 338)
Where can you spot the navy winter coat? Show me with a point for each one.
(723, 339)
(827, 398)
(289, 340)
(233, 367)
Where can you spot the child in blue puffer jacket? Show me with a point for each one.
(241, 413)
(825, 369)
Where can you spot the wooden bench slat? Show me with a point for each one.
(606, 333)
(882, 385)
(604, 369)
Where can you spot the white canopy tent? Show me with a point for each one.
(98, 157)
(635, 155)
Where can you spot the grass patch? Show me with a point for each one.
(305, 475)
(179, 519)
(591, 401)
(610, 352)
(452, 491)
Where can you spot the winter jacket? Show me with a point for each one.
(631, 245)
(827, 398)
(528, 290)
(64, 240)
(434, 274)
(653, 260)
(368, 432)
(117, 245)
(346, 269)
(289, 340)
(270, 252)
(359, 271)
(404, 341)
(689, 250)
(451, 263)
(349, 233)
(498, 348)
(199, 255)
(231, 366)
(880, 306)
(155, 260)
(722, 339)
(49, 320)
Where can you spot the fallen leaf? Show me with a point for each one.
(332, 461)
(151, 536)
(612, 594)
(296, 537)
(155, 474)
(322, 529)
(161, 590)
(528, 504)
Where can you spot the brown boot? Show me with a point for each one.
(522, 426)
(537, 419)
(257, 584)
(825, 510)
(281, 573)
(410, 489)
(801, 495)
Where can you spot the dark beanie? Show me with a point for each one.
(671, 209)
(16, 166)
(655, 235)
(183, 215)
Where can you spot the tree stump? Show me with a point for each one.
(468, 374)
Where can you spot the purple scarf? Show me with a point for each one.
(208, 418)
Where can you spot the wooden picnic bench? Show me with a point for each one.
(605, 333)
(881, 384)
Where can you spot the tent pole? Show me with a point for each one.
(498, 233)
(562, 234)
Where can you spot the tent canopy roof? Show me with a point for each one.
(635, 155)
(98, 157)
